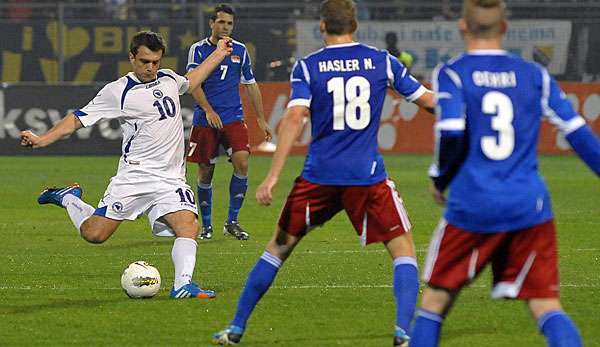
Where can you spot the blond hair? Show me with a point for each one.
(484, 18)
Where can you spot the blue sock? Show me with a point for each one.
(559, 330)
(237, 192)
(426, 331)
(205, 203)
(406, 290)
(258, 282)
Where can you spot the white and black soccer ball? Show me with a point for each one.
(140, 280)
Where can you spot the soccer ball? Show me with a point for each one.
(140, 280)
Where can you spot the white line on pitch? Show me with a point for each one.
(201, 252)
(331, 286)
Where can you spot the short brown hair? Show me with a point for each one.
(339, 16)
(484, 17)
(152, 40)
(222, 8)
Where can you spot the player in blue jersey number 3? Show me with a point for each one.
(341, 88)
(490, 105)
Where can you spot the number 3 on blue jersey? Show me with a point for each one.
(500, 107)
(356, 92)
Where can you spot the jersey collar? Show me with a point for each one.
(340, 45)
(134, 78)
(487, 52)
(210, 42)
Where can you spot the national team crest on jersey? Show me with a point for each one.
(235, 58)
(117, 207)
(157, 93)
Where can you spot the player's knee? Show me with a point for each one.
(539, 307)
(92, 234)
(239, 160)
(241, 167)
(437, 300)
(93, 237)
(205, 173)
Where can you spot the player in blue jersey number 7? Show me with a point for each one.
(490, 105)
(341, 88)
(151, 174)
(219, 120)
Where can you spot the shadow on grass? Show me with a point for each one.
(57, 305)
(344, 340)
(158, 242)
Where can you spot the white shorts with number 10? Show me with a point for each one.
(129, 200)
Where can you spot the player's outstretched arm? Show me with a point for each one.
(201, 72)
(426, 101)
(562, 115)
(255, 97)
(64, 127)
(587, 146)
(289, 129)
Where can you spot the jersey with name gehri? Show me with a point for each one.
(150, 117)
(497, 101)
(222, 87)
(344, 86)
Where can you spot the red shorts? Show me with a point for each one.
(376, 211)
(203, 147)
(524, 262)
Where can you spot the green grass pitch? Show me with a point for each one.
(55, 289)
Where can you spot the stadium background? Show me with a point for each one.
(55, 56)
(56, 289)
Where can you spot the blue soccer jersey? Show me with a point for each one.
(495, 102)
(345, 86)
(222, 87)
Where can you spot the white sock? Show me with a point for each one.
(184, 260)
(77, 209)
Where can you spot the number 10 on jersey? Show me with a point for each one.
(350, 102)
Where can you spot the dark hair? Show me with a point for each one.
(484, 17)
(339, 16)
(222, 8)
(150, 39)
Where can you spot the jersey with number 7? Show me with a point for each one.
(345, 86)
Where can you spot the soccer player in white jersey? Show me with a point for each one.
(151, 174)
(489, 107)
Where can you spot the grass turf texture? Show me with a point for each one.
(56, 289)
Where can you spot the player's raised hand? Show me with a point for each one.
(438, 196)
(225, 45)
(214, 120)
(29, 139)
(264, 192)
(267, 132)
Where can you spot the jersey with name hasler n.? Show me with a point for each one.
(345, 86)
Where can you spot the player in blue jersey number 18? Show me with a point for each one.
(341, 88)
